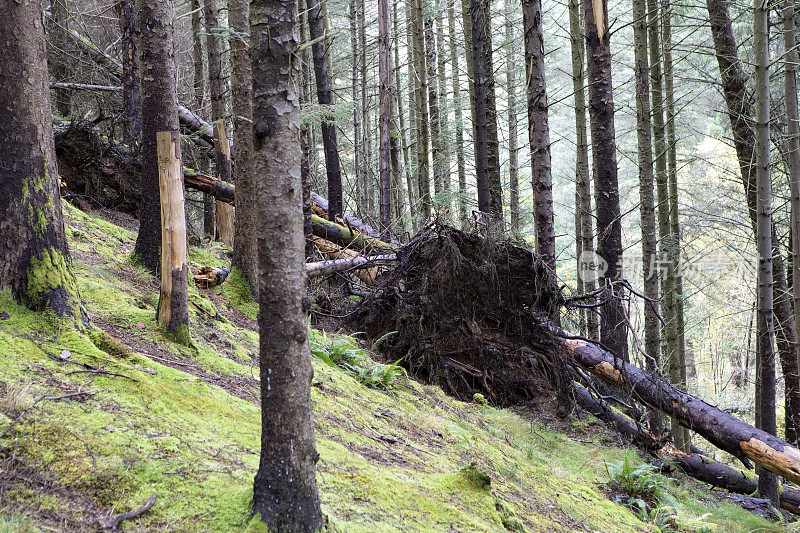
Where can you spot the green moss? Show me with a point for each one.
(48, 272)
(388, 461)
(479, 398)
(108, 344)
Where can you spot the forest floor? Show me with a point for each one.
(149, 416)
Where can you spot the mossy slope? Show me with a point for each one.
(187, 427)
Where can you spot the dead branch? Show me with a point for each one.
(112, 522)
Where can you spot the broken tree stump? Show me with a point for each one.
(173, 303)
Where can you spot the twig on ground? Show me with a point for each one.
(45, 397)
(113, 522)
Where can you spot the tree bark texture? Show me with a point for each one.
(245, 254)
(421, 109)
(131, 77)
(459, 118)
(285, 490)
(511, 90)
(740, 112)
(539, 133)
(433, 106)
(34, 258)
(718, 427)
(316, 30)
(652, 338)
(384, 118)
(58, 29)
(613, 325)
(159, 113)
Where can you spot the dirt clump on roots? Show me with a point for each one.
(471, 316)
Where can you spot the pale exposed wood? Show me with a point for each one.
(224, 209)
(173, 230)
(336, 252)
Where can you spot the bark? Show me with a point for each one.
(58, 29)
(245, 253)
(316, 30)
(765, 356)
(674, 273)
(384, 117)
(159, 113)
(446, 202)
(740, 113)
(367, 176)
(285, 490)
(433, 105)
(307, 145)
(199, 81)
(539, 133)
(511, 89)
(131, 93)
(350, 238)
(401, 116)
(324, 268)
(583, 195)
(421, 110)
(613, 328)
(396, 147)
(718, 427)
(459, 119)
(34, 258)
(793, 133)
(358, 166)
(647, 205)
(694, 464)
(480, 92)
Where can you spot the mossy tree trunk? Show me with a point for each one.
(159, 113)
(285, 491)
(34, 259)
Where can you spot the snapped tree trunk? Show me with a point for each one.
(173, 302)
(285, 489)
(159, 113)
(316, 30)
(718, 427)
(613, 324)
(34, 258)
(539, 133)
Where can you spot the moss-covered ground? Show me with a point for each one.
(183, 422)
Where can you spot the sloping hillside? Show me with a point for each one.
(143, 415)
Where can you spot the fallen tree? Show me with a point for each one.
(715, 425)
(349, 238)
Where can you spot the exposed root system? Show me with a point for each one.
(470, 315)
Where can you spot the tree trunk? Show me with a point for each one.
(740, 112)
(34, 258)
(316, 30)
(131, 78)
(446, 202)
(421, 109)
(583, 194)
(647, 206)
(765, 356)
(285, 490)
(159, 113)
(511, 89)
(384, 117)
(674, 272)
(433, 105)
(245, 252)
(368, 202)
(58, 29)
(199, 81)
(793, 132)
(401, 115)
(173, 301)
(613, 325)
(358, 166)
(718, 427)
(459, 119)
(539, 133)
(480, 29)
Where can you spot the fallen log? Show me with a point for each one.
(85, 87)
(222, 191)
(349, 238)
(348, 220)
(715, 425)
(323, 268)
(695, 465)
(334, 251)
(207, 276)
